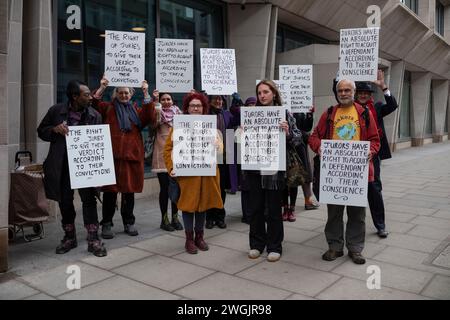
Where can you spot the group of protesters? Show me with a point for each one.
(267, 198)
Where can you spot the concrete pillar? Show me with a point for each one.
(38, 82)
(427, 11)
(4, 172)
(420, 99)
(252, 33)
(447, 23)
(396, 78)
(440, 101)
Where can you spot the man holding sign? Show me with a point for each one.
(351, 122)
(54, 129)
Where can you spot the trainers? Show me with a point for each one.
(209, 224)
(254, 254)
(357, 257)
(273, 257)
(130, 229)
(311, 206)
(382, 233)
(167, 227)
(331, 255)
(221, 224)
(107, 232)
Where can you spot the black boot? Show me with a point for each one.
(165, 223)
(176, 224)
(69, 241)
(94, 244)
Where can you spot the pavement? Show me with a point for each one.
(412, 263)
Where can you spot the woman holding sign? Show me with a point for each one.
(199, 193)
(126, 122)
(266, 190)
(164, 123)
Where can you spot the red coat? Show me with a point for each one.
(367, 134)
(128, 147)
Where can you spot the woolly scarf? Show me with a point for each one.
(167, 115)
(126, 114)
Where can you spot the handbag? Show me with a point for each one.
(316, 176)
(295, 171)
(149, 146)
(174, 190)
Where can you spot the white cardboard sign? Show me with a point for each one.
(174, 65)
(218, 71)
(263, 143)
(344, 170)
(358, 58)
(194, 152)
(301, 83)
(90, 156)
(125, 58)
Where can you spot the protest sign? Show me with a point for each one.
(90, 157)
(358, 58)
(125, 58)
(344, 171)
(301, 86)
(218, 71)
(194, 152)
(174, 65)
(263, 143)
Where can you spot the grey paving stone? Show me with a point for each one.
(411, 242)
(420, 204)
(430, 232)
(439, 288)
(352, 289)
(432, 222)
(166, 245)
(108, 290)
(371, 245)
(220, 259)
(443, 260)
(443, 214)
(220, 286)
(54, 281)
(232, 239)
(299, 297)
(290, 277)
(24, 262)
(391, 275)
(407, 207)
(296, 235)
(306, 223)
(399, 216)
(15, 290)
(314, 214)
(399, 227)
(117, 257)
(162, 272)
(40, 296)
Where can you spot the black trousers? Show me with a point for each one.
(126, 210)
(87, 196)
(215, 214)
(163, 178)
(375, 196)
(263, 201)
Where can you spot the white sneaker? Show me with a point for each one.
(273, 256)
(254, 254)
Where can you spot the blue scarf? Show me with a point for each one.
(126, 114)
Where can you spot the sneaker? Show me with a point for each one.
(254, 254)
(221, 224)
(311, 206)
(382, 233)
(107, 232)
(273, 257)
(131, 230)
(331, 255)
(167, 227)
(209, 224)
(357, 257)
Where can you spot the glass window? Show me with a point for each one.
(404, 130)
(412, 4)
(439, 18)
(429, 120)
(289, 38)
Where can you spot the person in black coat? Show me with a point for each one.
(54, 129)
(379, 110)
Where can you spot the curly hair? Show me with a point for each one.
(191, 96)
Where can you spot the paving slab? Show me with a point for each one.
(166, 245)
(232, 239)
(14, 290)
(430, 232)
(117, 257)
(439, 288)
(411, 242)
(432, 222)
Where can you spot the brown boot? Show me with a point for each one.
(94, 244)
(69, 241)
(190, 245)
(199, 242)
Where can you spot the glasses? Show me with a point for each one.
(198, 106)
